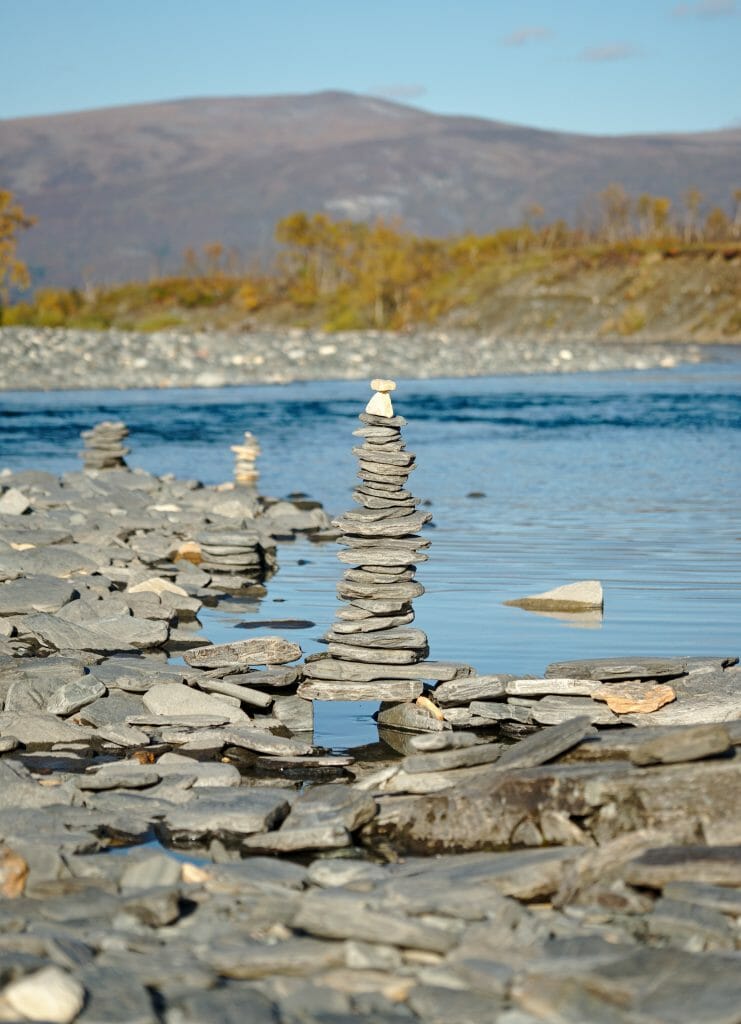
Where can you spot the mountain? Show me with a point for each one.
(119, 193)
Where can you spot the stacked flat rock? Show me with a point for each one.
(373, 652)
(243, 552)
(245, 456)
(104, 447)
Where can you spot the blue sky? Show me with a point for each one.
(597, 66)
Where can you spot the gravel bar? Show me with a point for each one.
(61, 359)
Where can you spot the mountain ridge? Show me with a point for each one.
(119, 192)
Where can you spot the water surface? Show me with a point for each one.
(630, 478)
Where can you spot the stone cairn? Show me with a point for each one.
(245, 456)
(104, 447)
(372, 653)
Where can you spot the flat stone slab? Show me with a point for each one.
(373, 655)
(392, 591)
(246, 812)
(609, 669)
(546, 744)
(459, 692)
(37, 594)
(712, 865)
(691, 744)
(378, 689)
(349, 671)
(293, 840)
(169, 699)
(262, 742)
(268, 650)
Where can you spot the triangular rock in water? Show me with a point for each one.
(572, 597)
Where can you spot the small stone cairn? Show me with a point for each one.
(372, 653)
(104, 447)
(245, 456)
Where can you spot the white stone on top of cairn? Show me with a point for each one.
(380, 403)
(246, 454)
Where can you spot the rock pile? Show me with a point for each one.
(245, 456)
(244, 552)
(373, 653)
(104, 447)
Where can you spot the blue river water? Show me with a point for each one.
(633, 479)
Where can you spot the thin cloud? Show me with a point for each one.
(705, 9)
(400, 91)
(608, 52)
(528, 34)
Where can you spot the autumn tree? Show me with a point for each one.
(615, 205)
(717, 225)
(13, 219)
(736, 226)
(693, 198)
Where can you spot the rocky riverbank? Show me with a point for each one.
(50, 358)
(175, 849)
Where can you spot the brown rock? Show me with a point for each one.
(13, 873)
(189, 551)
(632, 697)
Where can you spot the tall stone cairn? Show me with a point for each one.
(372, 651)
(104, 447)
(245, 457)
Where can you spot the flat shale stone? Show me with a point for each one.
(445, 760)
(73, 696)
(337, 915)
(263, 742)
(398, 638)
(458, 692)
(546, 744)
(35, 594)
(247, 811)
(609, 669)
(248, 958)
(713, 865)
(176, 699)
(333, 668)
(258, 651)
(691, 744)
(373, 655)
(377, 689)
(294, 840)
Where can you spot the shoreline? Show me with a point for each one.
(60, 359)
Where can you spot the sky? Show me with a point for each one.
(594, 66)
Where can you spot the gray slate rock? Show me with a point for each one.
(377, 689)
(35, 594)
(613, 669)
(258, 651)
(176, 699)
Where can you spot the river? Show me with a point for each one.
(632, 478)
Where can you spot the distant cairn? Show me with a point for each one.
(245, 457)
(372, 652)
(104, 448)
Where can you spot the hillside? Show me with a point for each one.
(119, 193)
